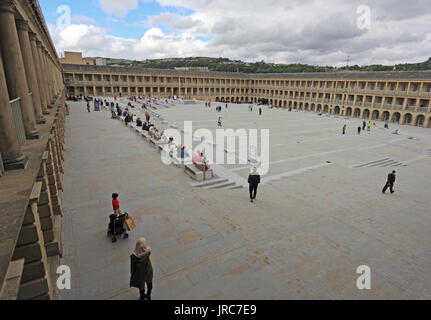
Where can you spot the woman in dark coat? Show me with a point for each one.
(141, 269)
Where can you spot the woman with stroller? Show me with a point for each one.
(141, 269)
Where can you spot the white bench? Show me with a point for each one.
(145, 135)
(156, 143)
(178, 161)
(196, 174)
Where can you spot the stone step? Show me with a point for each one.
(209, 183)
(222, 185)
(236, 187)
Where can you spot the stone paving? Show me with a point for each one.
(319, 214)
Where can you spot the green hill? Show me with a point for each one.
(226, 65)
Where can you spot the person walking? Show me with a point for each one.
(344, 129)
(253, 181)
(359, 130)
(390, 183)
(364, 125)
(219, 122)
(260, 111)
(369, 127)
(88, 107)
(141, 269)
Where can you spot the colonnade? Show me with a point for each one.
(29, 71)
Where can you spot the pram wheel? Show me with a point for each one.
(126, 236)
(114, 239)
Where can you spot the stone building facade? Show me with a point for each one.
(399, 97)
(32, 117)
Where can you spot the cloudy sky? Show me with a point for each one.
(321, 32)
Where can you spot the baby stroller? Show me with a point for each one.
(116, 227)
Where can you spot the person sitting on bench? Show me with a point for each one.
(139, 122)
(157, 135)
(201, 163)
(128, 118)
(145, 127)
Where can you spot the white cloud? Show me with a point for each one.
(306, 31)
(118, 8)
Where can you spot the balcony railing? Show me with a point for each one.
(17, 119)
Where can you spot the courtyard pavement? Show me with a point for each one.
(319, 215)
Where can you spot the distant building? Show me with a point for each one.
(191, 68)
(71, 57)
(100, 61)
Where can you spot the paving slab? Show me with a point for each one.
(319, 214)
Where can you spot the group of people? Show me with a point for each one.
(365, 126)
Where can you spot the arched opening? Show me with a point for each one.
(375, 115)
(237, 99)
(325, 108)
(222, 99)
(366, 114)
(420, 120)
(306, 107)
(313, 107)
(300, 106)
(285, 103)
(337, 110)
(386, 115)
(217, 99)
(295, 105)
(357, 113)
(429, 122)
(396, 117)
(407, 118)
(349, 112)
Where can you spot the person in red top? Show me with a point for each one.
(116, 204)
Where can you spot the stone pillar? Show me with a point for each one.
(9, 146)
(48, 74)
(43, 74)
(55, 78)
(14, 66)
(39, 75)
(30, 71)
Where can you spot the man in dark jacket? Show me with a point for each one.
(254, 181)
(390, 183)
